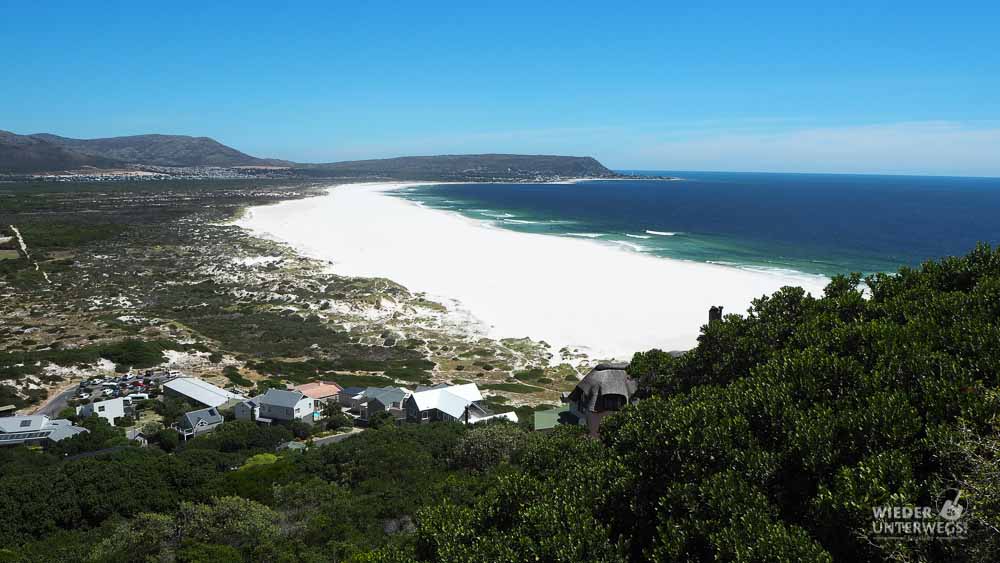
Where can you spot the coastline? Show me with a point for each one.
(605, 301)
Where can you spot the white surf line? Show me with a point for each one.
(569, 291)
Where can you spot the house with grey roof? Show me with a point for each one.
(352, 398)
(35, 430)
(384, 399)
(606, 389)
(199, 422)
(248, 410)
(277, 404)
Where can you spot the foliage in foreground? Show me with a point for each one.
(771, 441)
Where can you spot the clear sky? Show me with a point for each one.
(845, 86)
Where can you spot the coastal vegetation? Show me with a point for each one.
(773, 439)
(118, 268)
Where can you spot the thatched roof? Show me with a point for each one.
(605, 379)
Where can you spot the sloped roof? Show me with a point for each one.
(281, 398)
(352, 390)
(62, 429)
(59, 428)
(319, 389)
(451, 400)
(23, 423)
(210, 416)
(386, 395)
(201, 391)
(605, 379)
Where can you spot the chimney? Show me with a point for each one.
(715, 313)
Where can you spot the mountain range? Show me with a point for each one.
(45, 152)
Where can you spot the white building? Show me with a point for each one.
(449, 403)
(200, 391)
(108, 410)
(38, 429)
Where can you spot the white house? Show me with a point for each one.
(444, 403)
(200, 391)
(108, 410)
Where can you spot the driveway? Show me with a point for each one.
(53, 405)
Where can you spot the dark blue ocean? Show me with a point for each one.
(814, 223)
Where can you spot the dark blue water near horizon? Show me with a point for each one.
(814, 223)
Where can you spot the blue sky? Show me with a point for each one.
(881, 87)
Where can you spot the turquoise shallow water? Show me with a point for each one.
(813, 223)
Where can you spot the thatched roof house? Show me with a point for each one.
(607, 388)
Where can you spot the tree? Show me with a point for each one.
(381, 420)
(338, 420)
(167, 438)
(487, 445)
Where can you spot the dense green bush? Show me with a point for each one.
(488, 445)
(770, 441)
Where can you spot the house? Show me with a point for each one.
(8, 410)
(606, 389)
(200, 391)
(383, 399)
(322, 391)
(137, 435)
(108, 410)
(444, 403)
(277, 404)
(248, 410)
(351, 397)
(199, 422)
(36, 429)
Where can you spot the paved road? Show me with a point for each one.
(52, 407)
(337, 437)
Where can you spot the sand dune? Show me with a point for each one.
(567, 292)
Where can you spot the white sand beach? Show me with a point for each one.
(574, 292)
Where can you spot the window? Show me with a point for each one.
(100, 409)
(25, 423)
(609, 403)
(425, 415)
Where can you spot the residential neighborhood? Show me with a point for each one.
(192, 406)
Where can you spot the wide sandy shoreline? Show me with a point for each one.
(568, 292)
